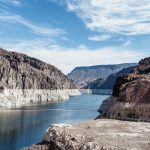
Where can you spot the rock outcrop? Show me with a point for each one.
(82, 76)
(131, 95)
(24, 80)
(96, 135)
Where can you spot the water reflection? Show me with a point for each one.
(22, 127)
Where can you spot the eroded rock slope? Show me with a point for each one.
(21, 71)
(30, 80)
(131, 95)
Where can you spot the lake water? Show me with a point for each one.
(23, 127)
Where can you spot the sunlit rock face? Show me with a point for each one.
(131, 95)
(92, 77)
(21, 76)
(12, 98)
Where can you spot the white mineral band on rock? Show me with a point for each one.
(11, 98)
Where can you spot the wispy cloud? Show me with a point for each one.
(11, 2)
(100, 37)
(25, 45)
(67, 58)
(126, 17)
(40, 30)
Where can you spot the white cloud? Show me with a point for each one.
(11, 2)
(100, 37)
(127, 17)
(25, 45)
(6, 16)
(115, 16)
(126, 43)
(68, 58)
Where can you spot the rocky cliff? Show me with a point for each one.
(131, 95)
(21, 76)
(109, 82)
(84, 75)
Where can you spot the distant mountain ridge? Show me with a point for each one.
(110, 80)
(84, 75)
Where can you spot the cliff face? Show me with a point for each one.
(19, 71)
(84, 75)
(131, 95)
(24, 79)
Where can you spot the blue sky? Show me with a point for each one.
(70, 33)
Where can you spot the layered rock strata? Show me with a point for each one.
(17, 98)
(131, 95)
(25, 80)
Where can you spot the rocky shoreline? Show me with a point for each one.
(102, 134)
(17, 98)
(131, 96)
(26, 80)
(113, 109)
(130, 100)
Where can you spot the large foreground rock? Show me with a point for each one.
(97, 135)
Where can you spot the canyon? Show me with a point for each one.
(130, 101)
(27, 81)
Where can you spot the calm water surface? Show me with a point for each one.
(23, 127)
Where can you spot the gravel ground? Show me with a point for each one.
(102, 134)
